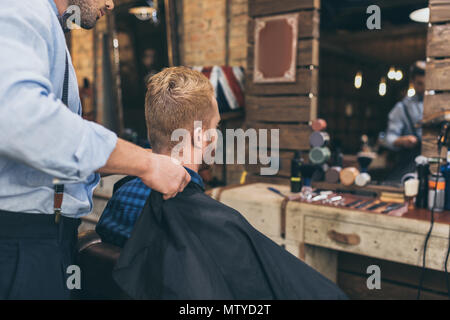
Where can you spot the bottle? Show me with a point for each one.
(423, 170)
(296, 177)
(446, 174)
(436, 193)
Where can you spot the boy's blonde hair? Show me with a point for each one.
(176, 97)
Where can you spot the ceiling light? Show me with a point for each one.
(421, 15)
(392, 73)
(358, 80)
(143, 13)
(382, 88)
(146, 10)
(411, 91)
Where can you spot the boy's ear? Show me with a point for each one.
(197, 139)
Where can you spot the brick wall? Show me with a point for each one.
(83, 54)
(238, 33)
(212, 33)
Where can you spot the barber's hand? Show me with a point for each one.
(165, 176)
(407, 141)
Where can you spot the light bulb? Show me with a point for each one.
(383, 88)
(399, 75)
(358, 80)
(411, 91)
(421, 15)
(392, 73)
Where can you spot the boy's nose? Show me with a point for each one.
(110, 4)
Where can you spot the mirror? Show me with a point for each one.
(364, 74)
(145, 46)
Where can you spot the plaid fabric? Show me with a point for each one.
(123, 209)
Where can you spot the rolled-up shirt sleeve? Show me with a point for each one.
(37, 129)
(395, 126)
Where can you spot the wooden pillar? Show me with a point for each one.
(288, 107)
(437, 72)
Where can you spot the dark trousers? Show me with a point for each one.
(35, 253)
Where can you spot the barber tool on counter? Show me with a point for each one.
(307, 171)
(432, 187)
(348, 176)
(446, 174)
(365, 204)
(436, 193)
(423, 170)
(408, 176)
(411, 191)
(319, 139)
(319, 125)
(319, 155)
(352, 175)
(399, 207)
(296, 176)
(365, 158)
(332, 174)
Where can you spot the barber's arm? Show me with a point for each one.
(38, 130)
(394, 137)
(156, 171)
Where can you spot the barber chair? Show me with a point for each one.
(96, 261)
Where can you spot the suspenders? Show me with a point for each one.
(57, 187)
(410, 122)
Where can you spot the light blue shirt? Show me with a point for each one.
(399, 125)
(41, 139)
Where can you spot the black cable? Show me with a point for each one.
(425, 245)
(446, 262)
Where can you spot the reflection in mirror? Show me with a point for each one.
(143, 51)
(366, 78)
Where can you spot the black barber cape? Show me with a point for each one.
(194, 247)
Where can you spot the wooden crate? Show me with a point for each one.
(280, 109)
(438, 70)
(268, 7)
(288, 107)
(439, 11)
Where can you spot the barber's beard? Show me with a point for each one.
(89, 12)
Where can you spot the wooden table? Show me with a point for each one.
(316, 233)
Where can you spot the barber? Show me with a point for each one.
(43, 139)
(404, 137)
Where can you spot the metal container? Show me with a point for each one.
(319, 125)
(319, 139)
(332, 175)
(439, 197)
(362, 179)
(348, 176)
(319, 155)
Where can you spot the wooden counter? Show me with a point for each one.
(315, 233)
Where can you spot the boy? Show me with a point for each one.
(193, 247)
